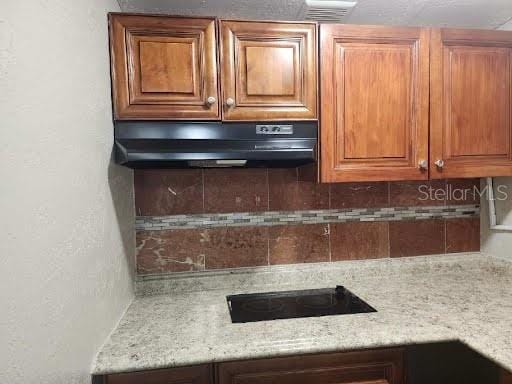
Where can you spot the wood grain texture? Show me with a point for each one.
(365, 367)
(201, 374)
(374, 103)
(163, 67)
(471, 103)
(269, 69)
(505, 377)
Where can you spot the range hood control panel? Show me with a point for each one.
(273, 129)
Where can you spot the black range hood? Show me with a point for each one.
(163, 144)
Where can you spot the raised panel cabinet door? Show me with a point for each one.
(374, 86)
(471, 103)
(366, 367)
(164, 67)
(201, 374)
(269, 70)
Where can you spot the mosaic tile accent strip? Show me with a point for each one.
(271, 218)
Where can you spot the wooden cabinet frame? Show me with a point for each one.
(463, 146)
(288, 95)
(406, 46)
(364, 367)
(140, 91)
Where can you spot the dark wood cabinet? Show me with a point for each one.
(365, 367)
(375, 93)
(268, 70)
(505, 377)
(201, 374)
(164, 67)
(397, 103)
(471, 103)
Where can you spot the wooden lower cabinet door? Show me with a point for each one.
(505, 377)
(471, 103)
(201, 374)
(366, 367)
(374, 103)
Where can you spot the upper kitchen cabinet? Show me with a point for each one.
(268, 70)
(471, 89)
(164, 67)
(374, 103)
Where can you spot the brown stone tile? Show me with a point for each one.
(308, 173)
(416, 237)
(359, 240)
(417, 193)
(235, 190)
(463, 191)
(463, 235)
(236, 247)
(170, 251)
(359, 195)
(288, 193)
(168, 191)
(293, 244)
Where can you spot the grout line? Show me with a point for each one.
(389, 240)
(202, 178)
(329, 241)
(329, 194)
(268, 189)
(445, 236)
(389, 193)
(268, 246)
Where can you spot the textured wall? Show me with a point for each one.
(498, 243)
(455, 13)
(66, 253)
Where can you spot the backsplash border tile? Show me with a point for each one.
(320, 216)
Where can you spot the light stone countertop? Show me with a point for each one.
(184, 320)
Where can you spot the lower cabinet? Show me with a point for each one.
(366, 367)
(201, 374)
(384, 366)
(505, 377)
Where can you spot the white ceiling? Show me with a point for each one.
(487, 14)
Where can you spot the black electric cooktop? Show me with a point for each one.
(293, 304)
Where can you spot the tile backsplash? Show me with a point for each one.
(195, 219)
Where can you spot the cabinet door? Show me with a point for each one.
(471, 85)
(505, 377)
(269, 70)
(163, 67)
(188, 375)
(374, 93)
(368, 367)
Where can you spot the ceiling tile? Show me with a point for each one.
(454, 13)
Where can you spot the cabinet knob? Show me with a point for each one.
(439, 163)
(230, 102)
(211, 100)
(423, 164)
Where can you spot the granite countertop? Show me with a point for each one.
(178, 321)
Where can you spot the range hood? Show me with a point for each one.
(163, 144)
